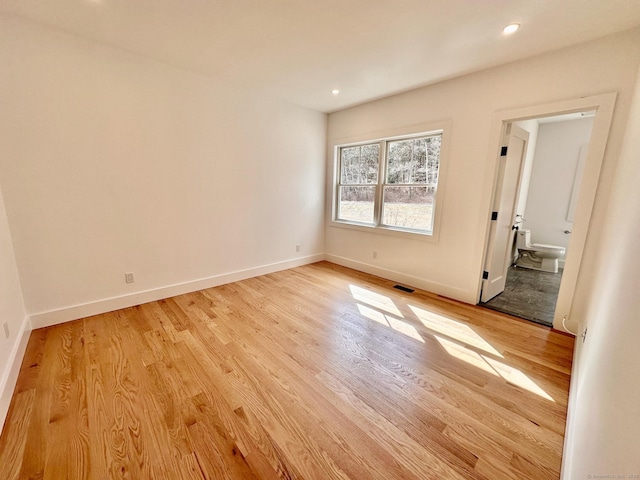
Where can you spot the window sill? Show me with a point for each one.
(396, 232)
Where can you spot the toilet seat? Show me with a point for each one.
(542, 247)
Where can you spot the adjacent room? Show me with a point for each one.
(258, 239)
(550, 181)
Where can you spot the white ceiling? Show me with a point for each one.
(299, 50)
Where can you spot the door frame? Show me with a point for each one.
(603, 105)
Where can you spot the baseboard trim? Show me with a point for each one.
(54, 317)
(10, 375)
(67, 314)
(433, 287)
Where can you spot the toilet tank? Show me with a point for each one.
(523, 238)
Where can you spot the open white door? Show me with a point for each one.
(500, 247)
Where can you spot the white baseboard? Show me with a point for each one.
(10, 374)
(433, 287)
(54, 317)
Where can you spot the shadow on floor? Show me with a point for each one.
(529, 294)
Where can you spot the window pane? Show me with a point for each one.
(433, 158)
(409, 207)
(413, 161)
(356, 204)
(359, 164)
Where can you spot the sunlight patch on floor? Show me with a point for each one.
(453, 329)
(389, 321)
(463, 353)
(404, 327)
(372, 314)
(494, 367)
(460, 337)
(374, 299)
(516, 377)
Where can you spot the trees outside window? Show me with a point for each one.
(390, 183)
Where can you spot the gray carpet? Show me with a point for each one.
(529, 294)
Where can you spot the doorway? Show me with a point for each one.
(550, 153)
(516, 183)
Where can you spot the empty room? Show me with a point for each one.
(262, 239)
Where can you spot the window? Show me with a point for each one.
(389, 183)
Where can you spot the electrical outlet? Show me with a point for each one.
(6, 329)
(298, 247)
(128, 277)
(374, 254)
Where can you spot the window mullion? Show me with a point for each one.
(336, 196)
(382, 175)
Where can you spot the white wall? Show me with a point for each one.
(554, 169)
(13, 312)
(603, 430)
(453, 265)
(111, 163)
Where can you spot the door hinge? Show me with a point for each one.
(503, 151)
(494, 216)
(485, 275)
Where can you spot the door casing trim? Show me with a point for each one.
(604, 105)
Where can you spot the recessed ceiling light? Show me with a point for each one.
(335, 91)
(512, 28)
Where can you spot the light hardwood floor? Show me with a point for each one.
(319, 372)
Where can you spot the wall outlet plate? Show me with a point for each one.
(128, 277)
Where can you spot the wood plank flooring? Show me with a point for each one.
(319, 372)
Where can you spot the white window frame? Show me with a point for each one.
(383, 140)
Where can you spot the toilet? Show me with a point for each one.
(537, 256)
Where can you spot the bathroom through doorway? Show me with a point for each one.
(549, 181)
(540, 199)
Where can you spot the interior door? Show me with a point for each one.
(501, 236)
